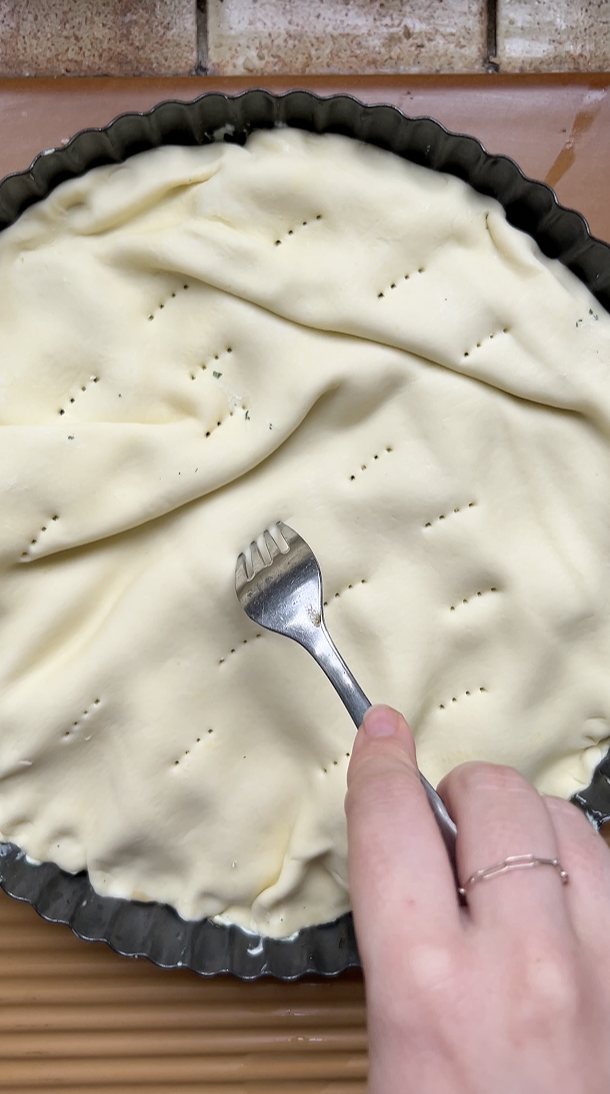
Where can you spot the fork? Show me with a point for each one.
(279, 586)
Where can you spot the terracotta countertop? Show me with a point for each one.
(555, 127)
(74, 1016)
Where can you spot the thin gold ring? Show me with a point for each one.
(514, 862)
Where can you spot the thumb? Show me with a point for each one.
(399, 874)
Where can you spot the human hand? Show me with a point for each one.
(510, 995)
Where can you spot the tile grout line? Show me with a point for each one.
(490, 64)
(201, 68)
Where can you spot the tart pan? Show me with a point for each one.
(153, 930)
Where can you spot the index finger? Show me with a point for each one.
(400, 878)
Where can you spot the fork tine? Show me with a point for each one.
(241, 573)
(288, 534)
(271, 545)
(258, 562)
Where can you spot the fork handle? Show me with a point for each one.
(345, 684)
(323, 649)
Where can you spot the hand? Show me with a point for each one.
(510, 995)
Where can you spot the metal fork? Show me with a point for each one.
(279, 586)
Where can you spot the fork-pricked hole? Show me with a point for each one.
(346, 588)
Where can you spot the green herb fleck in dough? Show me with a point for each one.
(247, 415)
(217, 375)
(591, 312)
(70, 436)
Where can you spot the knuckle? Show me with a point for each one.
(552, 989)
(578, 837)
(379, 785)
(570, 817)
(424, 974)
(432, 967)
(590, 851)
(476, 776)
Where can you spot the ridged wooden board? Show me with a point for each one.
(74, 1017)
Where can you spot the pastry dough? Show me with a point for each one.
(201, 341)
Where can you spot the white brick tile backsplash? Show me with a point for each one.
(97, 37)
(345, 36)
(553, 35)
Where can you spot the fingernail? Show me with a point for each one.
(379, 722)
